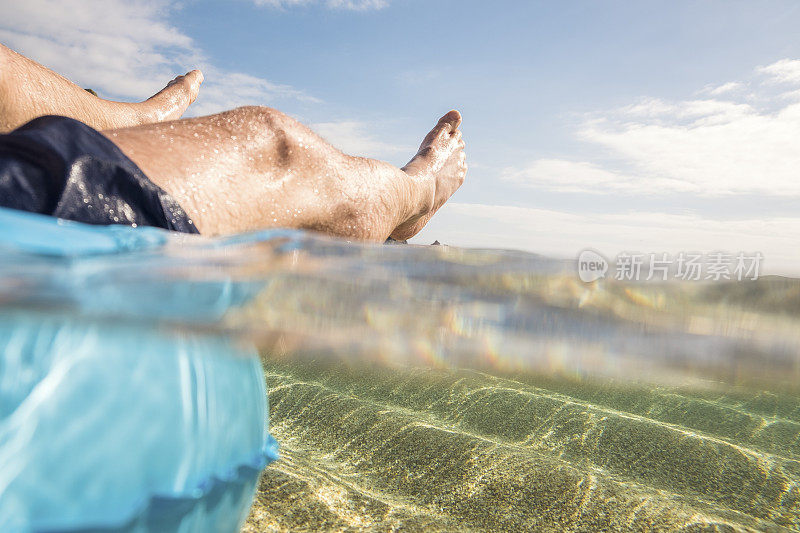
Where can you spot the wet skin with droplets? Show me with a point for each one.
(250, 168)
(254, 168)
(29, 90)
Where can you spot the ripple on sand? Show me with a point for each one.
(429, 450)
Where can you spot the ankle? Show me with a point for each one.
(422, 191)
(147, 112)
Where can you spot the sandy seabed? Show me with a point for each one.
(378, 449)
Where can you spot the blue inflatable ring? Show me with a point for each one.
(109, 420)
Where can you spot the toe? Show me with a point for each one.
(444, 130)
(195, 78)
(193, 81)
(453, 118)
(171, 101)
(189, 84)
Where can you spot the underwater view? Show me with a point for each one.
(409, 387)
(432, 388)
(437, 388)
(423, 387)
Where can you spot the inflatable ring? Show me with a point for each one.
(112, 417)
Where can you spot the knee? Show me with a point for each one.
(267, 124)
(262, 118)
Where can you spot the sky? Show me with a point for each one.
(635, 126)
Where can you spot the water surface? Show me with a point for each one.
(433, 388)
(444, 389)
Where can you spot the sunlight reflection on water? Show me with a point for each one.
(437, 306)
(501, 368)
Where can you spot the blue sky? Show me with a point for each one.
(621, 126)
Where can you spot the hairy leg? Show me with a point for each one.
(29, 90)
(254, 167)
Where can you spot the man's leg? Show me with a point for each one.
(254, 167)
(29, 90)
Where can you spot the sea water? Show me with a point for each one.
(438, 388)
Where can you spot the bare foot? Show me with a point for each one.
(29, 90)
(440, 158)
(171, 102)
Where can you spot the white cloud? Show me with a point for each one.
(357, 5)
(562, 234)
(349, 5)
(783, 71)
(731, 86)
(282, 3)
(569, 176)
(105, 45)
(235, 88)
(354, 137)
(125, 49)
(707, 147)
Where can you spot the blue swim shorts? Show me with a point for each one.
(61, 167)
